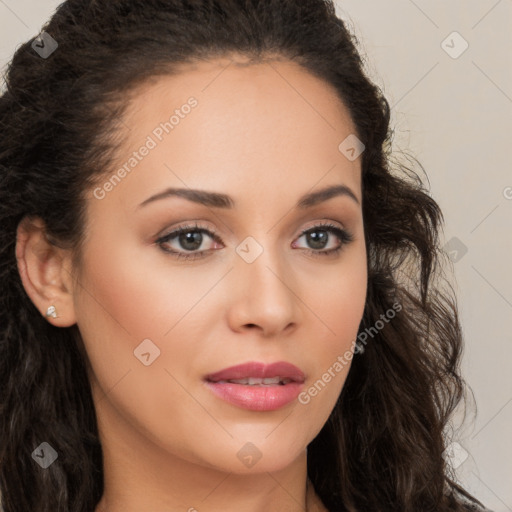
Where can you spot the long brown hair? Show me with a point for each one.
(382, 447)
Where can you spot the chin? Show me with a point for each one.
(258, 456)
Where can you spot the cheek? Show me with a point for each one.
(131, 291)
(338, 300)
(115, 310)
(129, 296)
(120, 305)
(337, 311)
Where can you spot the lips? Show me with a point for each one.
(256, 386)
(254, 372)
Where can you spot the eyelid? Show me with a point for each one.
(189, 226)
(321, 223)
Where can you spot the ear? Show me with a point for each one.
(46, 272)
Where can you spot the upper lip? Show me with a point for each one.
(259, 370)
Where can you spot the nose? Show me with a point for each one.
(262, 296)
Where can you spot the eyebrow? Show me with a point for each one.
(218, 200)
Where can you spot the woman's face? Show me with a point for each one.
(157, 326)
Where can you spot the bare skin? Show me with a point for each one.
(265, 135)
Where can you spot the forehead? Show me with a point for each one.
(242, 93)
(260, 124)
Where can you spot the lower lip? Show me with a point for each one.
(256, 398)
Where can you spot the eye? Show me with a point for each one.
(190, 240)
(318, 237)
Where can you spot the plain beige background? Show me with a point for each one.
(446, 69)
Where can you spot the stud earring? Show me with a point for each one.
(51, 312)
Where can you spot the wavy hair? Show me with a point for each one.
(382, 447)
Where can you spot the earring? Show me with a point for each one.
(51, 312)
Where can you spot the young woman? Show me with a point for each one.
(218, 293)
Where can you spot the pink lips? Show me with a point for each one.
(257, 396)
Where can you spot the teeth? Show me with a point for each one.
(256, 381)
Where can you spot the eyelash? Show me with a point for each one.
(345, 237)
